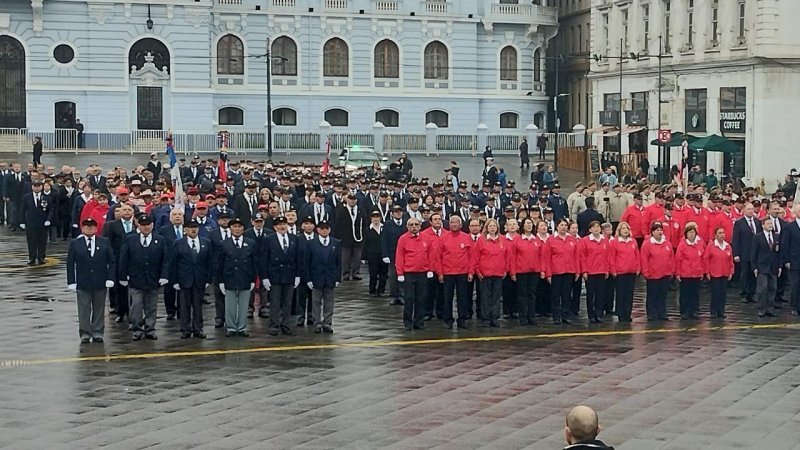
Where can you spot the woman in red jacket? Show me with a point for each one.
(491, 265)
(624, 265)
(543, 289)
(658, 266)
(690, 270)
(718, 262)
(593, 253)
(526, 270)
(561, 266)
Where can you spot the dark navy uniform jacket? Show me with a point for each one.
(143, 266)
(237, 267)
(279, 266)
(89, 272)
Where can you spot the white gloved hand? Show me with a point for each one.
(387, 260)
(206, 286)
(296, 281)
(401, 279)
(176, 286)
(109, 284)
(310, 285)
(252, 286)
(163, 281)
(47, 223)
(22, 226)
(123, 283)
(222, 288)
(337, 284)
(430, 274)
(74, 225)
(266, 283)
(72, 287)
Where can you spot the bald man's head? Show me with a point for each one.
(582, 425)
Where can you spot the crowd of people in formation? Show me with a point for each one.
(276, 239)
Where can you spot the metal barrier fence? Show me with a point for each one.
(295, 141)
(341, 140)
(403, 142)
(457, 143)
(504, 142)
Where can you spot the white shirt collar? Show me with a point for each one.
(654, 241)
(623, 240)
(696, 240)
(491, 238)
(599, 239)
(721, 247)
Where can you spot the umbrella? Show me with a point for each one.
(714, 143)
(676, 140)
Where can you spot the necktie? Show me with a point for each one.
(325, 242)
(178, 233)
(36, 200)
(90, 246)
(752, 225)
(127, 226)
(398, 222)
(769, 240)
(238, 242)
(145, 241)
(258, 233)
(194, 246)
(777, 226)
(226, 234)
(19, 178)
(284, 243)
(475, 238)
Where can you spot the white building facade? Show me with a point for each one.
(122, 66)
(729, 67)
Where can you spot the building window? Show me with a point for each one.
(388, 117)
(436, 61)
(742, 12)
(508, 64)
(157, 49)
(715, 23)
(285, 117)
(13, 111)
(690, 25)
(537, 66)
(696, 109)
(612, 102)
(387, 60)
(230, 56)
(231, 116)
(509, 120)
(733, 98)
(335, 59)
(625, 30)
(580, 39)
(606, 40)
(284, 51)
(538, 120)
(639, 101)
(440, 118)
(337, 117)
(646, 27)
(667, 8)
(64, 54)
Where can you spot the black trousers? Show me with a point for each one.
(656, 302)
(171, 300)
(560, 289)
(122, 300)
(510, 306)
(747, 280)
(608, 294)
(491, 289)
(526, 296)
(37, 243)
(433, 305)
(219, 305)
(191, 308)
(12, 213)
(719, 291)
(378, 273)
(794, 287)
(624, 283)
(690, 296)
(783, 281)
(455, 284)
(414, 288)
(474, 292)
(575, 297)
(543, 300)
(37, 159)
(595, 296)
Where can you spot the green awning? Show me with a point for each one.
(676, 140)
(714, 143)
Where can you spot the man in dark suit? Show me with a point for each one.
(280, 275)
(778, 224)
(154, 165)
(236, 273)
(191, 266)
(96, 180)
(348, 227)
(36, 214)
(317, 209)
(790, 258)
(766, 267)
(302, 305)
(744, 230)
(12, 194)
(172, 232)
(587, 217)
(143, 265)
(90, 271)
(217, 236)
(116, 231)
(393, 229)
(245, 205)
(378, 270)
(323, 270)
(257, 233)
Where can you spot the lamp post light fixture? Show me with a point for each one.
(149, 22)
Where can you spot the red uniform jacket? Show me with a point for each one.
(658, 260)
(673, 230)
(724, 221)
(492, 257)
(593, 256)
(624, 257)
(527, 255)
(561, 255)
(436, 244)
(718, 261)
(689, 259)
(413, 254)
(652, 213)
(634, 215)
(455, 253)
(702, 219)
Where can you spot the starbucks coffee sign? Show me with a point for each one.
(732, 120)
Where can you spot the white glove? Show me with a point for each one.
(401, 278)
(252, 286)
(22, 226)
(72, 287)
(163, 281)
(74, 225)
(387, 260)
(337, 284)
(176, 286)
(109, 284)
(296, 281)
(266, 283)
(222, 288)
(310, 285)
(47, 223)
(206, 286)
(430, 274)
(123, 283)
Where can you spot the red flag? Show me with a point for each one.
(326, 165)
(222, 164)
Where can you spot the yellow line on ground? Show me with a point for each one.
(379, 344)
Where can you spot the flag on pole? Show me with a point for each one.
(326, 165)
(222, 165)
(174, 171)
(683, 174)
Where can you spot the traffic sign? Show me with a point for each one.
(664, 136)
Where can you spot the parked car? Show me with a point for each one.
(358, 157)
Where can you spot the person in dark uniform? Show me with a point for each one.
(588, 216)
(744, 230)
(280, 275)
(257, 233)
(172, 232)
(322, 267)
(766, 267)
(191, 266)
(36, 214)
(237, 270)
(303, 305)
(143, 268)
(37, 151)
(524, 160)
(217, 236)
(90, 271)
(378, 270)
(115, 231)
(348, 227)
(393, 229)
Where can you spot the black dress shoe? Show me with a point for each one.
(462, 324)
(40, 262)
(244, 333)
(84, 340)
(186, 335)
(346, 278)
(427, 317)
(249, 314)
(301, 321)
(219, 324)
(286, 330)
(137, 337)
(328, 329)
(556, 321)
(406, 327)
(170, 316)
(200, 335)
(97, 340)
(419, 327)
(598, 320)
(566, 321)
(760, 314)
(152, 337)
(318, 329)
(263, 315)
(310, 322)
(357, 278)
(230, 333)
(31, 263)
(273, 331)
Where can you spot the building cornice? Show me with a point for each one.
(666, 70)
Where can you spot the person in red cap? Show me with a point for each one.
(634, 215)
(658, 267)
(718, 264)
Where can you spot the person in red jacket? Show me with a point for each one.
(455, 263)
(624, 266)
(414, 268)
(655, 211)
(658, 267)
(561, 265)
(718, 263)
(634, 216)
(527, 269)
(699, 215)
(672, 226)
(435, 291)
(491, 261)
(725, 219)
(593, 262)
(690, 271)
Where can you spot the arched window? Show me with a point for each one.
(284, 52)
(149, 45)
(335, 58)
(537, 66)
(509, 120)
(230, 55)
(436, 61)
(387, 60)
(438, 117)
(284, 116)
(388, 117)
(231, 116)
(508, 63)
(12, 83)
(538, 120)
(337, 117)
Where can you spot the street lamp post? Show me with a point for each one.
(269, 95)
